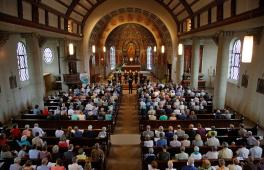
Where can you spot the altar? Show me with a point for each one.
(128, 68)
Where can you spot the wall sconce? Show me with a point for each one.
(104, 49)
(162, 49)
(93, 48)
(180, 49)
(71, 49)
(247, 49)
(155, 49)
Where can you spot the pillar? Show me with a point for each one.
(195, 63)
(222, 64)
(180, 66)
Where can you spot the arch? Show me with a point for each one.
(234, 58)
(149, 8)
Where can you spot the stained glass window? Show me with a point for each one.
(22, 62)
(112, 58)
(235, 60)
(149, 57)
(47, 55)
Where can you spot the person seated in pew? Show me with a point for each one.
(196, 155)
(152, 117)
(28, 165)
(36, 110)
(68, 155)
(37, 129)
(58, 165)
(185, 142)
(232, 131)
(170, 133)
(162, 141)
(69, 132)
(23, 141)
(256, 151)
(59, 132)
(44, 153)
(251, 140)
(70, 111)
(163, 155)
(227, 115)
(89, 133)
(225, 152)
(103, 133)
(75, 116)
(81, 154)
(170, 165)
(75, 165)
(190, 131)
(197, 141)
(97, 156)
(173, 116)
(200, 130)
(190, 165)
(212, 141)
(221, 165)
(23, 152)
(16, 165)
(213, 129)
(77, 133)
(180, 133)
(213, 154)
(153, 165)
(44, 164)
(206, 165)
(151, 111)
(150, 156)
(159, 132)
(192, 116)
(3, 140)
(55, 153)
(243, 152)
(109, 115)
(27, 131)
(182, 155)
(148, 132)
(6, 152)
(148, 142)
(163, 116)
(15, 132)
(235, 164)
(175, 143)
(37, 141)
(63, 143)
(242, 131)
(34, 152)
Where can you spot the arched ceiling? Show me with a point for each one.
(79, 10)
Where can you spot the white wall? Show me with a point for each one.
(246, 100)
(13, 100)
(209, 61)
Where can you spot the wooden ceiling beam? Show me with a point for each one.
(84, 7)
(71, 7)
(176, 6)
(169, 10)
(169, 3)
(187, 7)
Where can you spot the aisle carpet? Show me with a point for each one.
(125, 152)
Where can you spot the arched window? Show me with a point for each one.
(112, 58)
(149, 58)
(47, 55)
(234, 61)
(22, 61)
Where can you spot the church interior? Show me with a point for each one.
(116, 82)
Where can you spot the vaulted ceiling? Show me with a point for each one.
(79, 10)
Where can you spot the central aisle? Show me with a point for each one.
(125, 152)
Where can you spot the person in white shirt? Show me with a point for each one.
(75, 165)
(148, 142)
(59, 132)
(70, 111)
(213, 141)
(170, 165)
(37, 129)
(221, 165)
(242, 152)
(225, 153)
(196, 155)
(256, 151)
(235, 165)
(185, 142)
(182, 155)
(175, 142)
(212, 154)
(103, 133)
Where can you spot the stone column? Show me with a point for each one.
(180, 66)
(195, 63)
(36, 70)
(221, 77)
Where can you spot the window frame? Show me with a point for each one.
(45, 57)
(149, 58)
(235, 59)
(22, 62)
(112, 58)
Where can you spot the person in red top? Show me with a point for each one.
(45, 111)
(3, 139)
(63, 143)
(15, 132)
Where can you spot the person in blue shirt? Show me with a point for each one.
(190, 165)
(162, 141)
(23, 141)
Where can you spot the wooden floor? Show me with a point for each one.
(125, 152)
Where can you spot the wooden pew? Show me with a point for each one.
(185, 123)
(82, 124)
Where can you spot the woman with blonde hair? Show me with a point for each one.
(197, 140)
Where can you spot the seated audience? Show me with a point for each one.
(103, 133)
(89, 133)
(185, 142)
(5, 152)
(221, 165)
(212, 154)
(196, 155)
(148, 142)
(182, 155)
(150, 156)
(162, 141)
(235, 165)
(175, 142)
(16, 165)
(37, 129)
(197, 141)
(170, 166)
(213, 141)
(59, 132)
(75, 165)
(68, 155)
(256, 151)
(190, 165)
(164, 155)
(15, 132)
(27, 131)
(44, 164)
(242, 152)
(225, 153)
(58, 165)
(33, 153)
(28, 165)
(148, 132)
